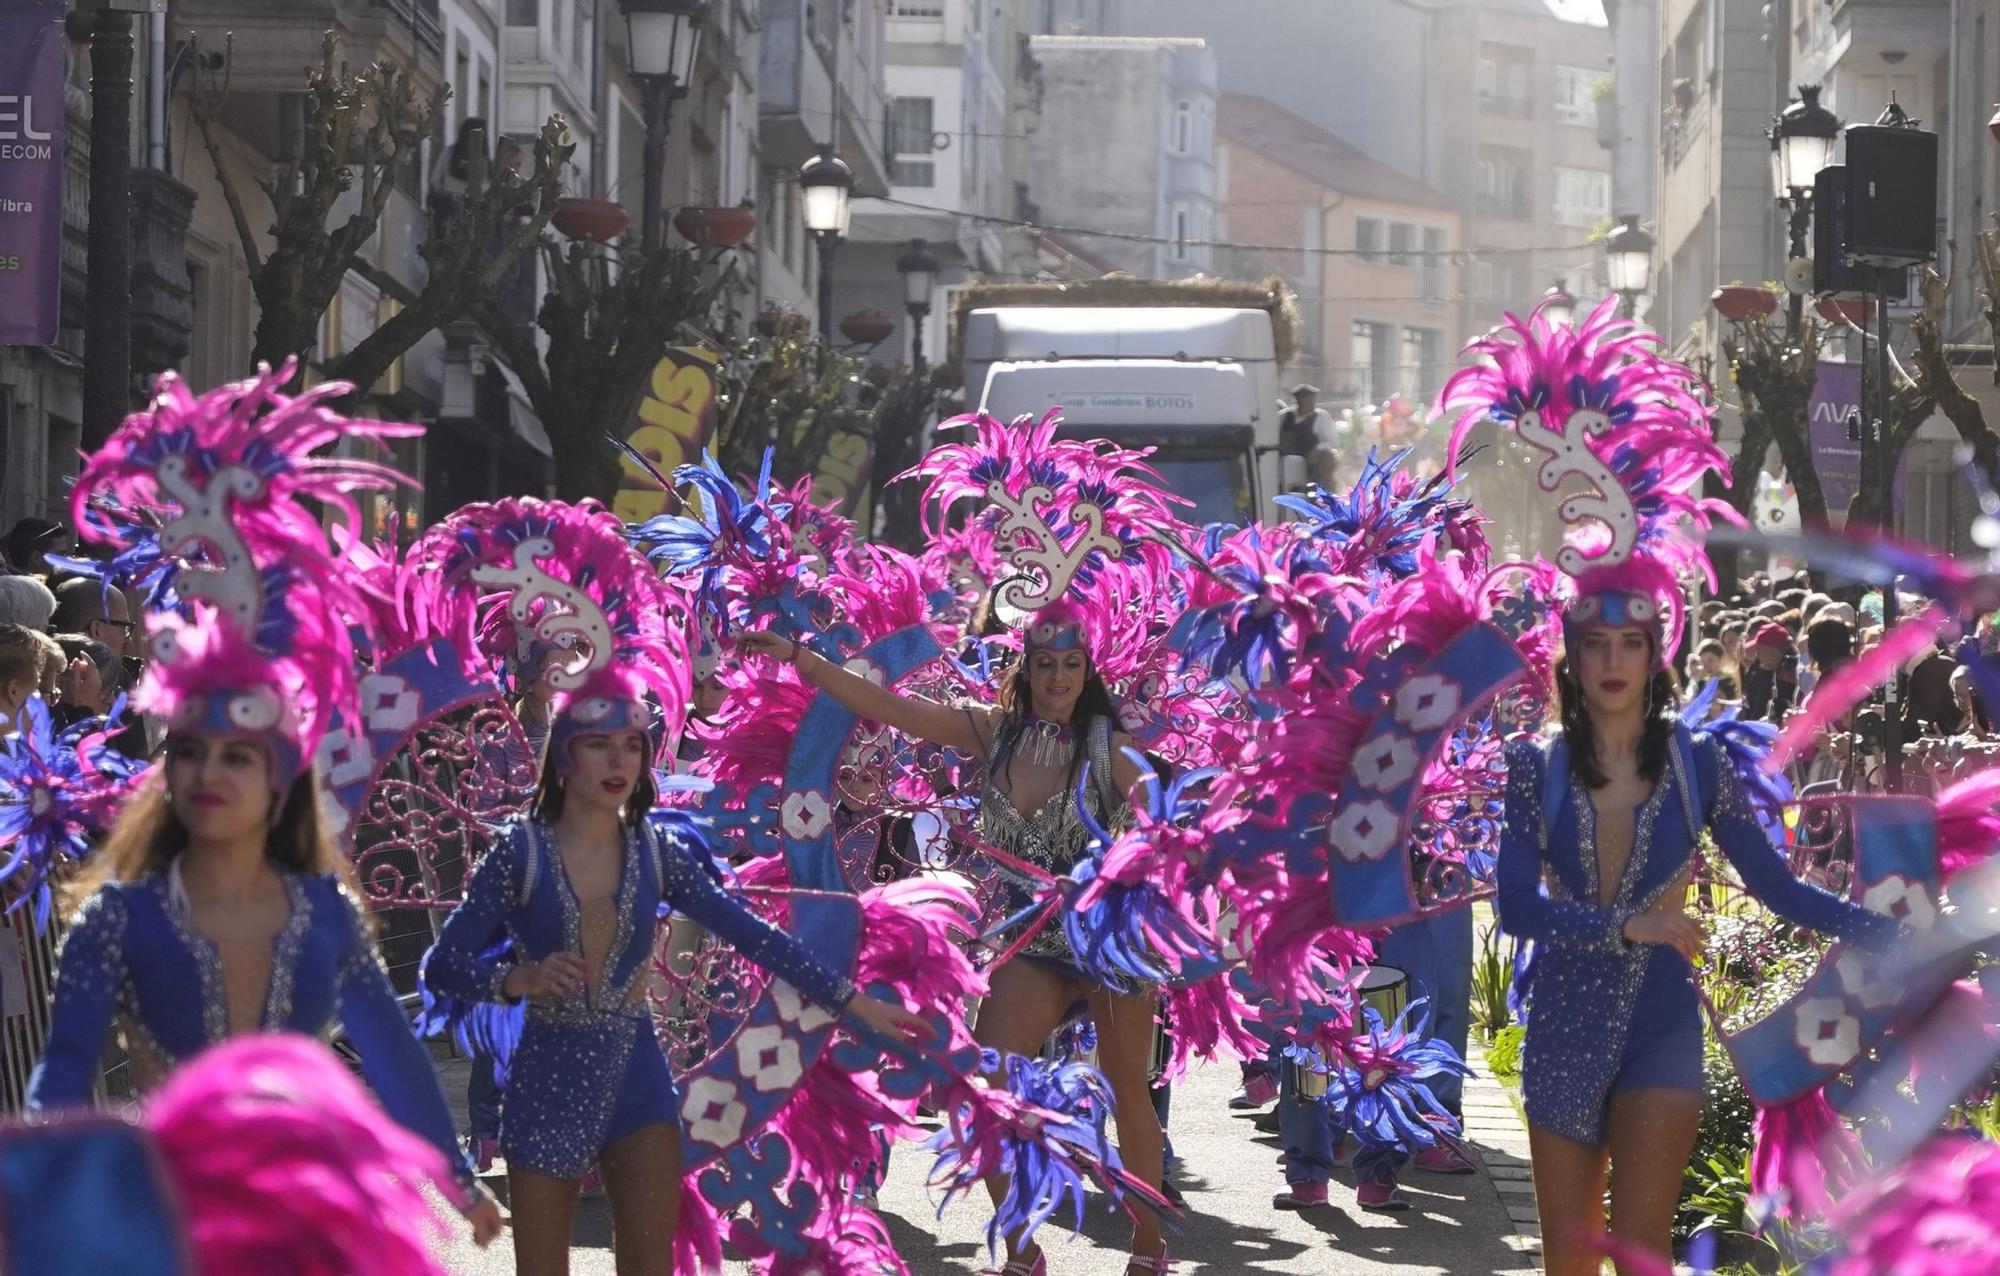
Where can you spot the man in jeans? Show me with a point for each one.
(1436, 953)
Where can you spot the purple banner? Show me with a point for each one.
(1836, 393)
(31, 170)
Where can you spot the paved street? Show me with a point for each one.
(1455, 1226)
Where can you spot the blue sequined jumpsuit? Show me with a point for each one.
(1608, 1015)
(133, 954)
(589, 1069)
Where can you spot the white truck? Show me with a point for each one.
(1198, 384)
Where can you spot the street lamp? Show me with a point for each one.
(1628, 262)
(826, 187)
(1802, 142)
(107, 286)
(1805, 136)
(919, 267)
(662, 38)
(1559, 305)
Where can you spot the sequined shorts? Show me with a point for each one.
(1583, 1048)
(575, 1088)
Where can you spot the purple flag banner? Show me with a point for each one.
(1836, 392)
(31, 170)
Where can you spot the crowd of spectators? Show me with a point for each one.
(64, 635)
(1769, 645)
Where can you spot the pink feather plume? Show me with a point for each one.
(284, 1163)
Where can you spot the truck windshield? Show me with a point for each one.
(1219, 486)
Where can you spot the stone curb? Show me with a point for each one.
(1494, 1126)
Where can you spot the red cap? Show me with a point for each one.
(1770, 634)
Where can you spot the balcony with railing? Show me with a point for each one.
(1684, 128)
(275, 40)
(820, 81)
(1514, 207)
(1506, 107)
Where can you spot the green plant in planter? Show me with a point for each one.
(1492, 977)
(1503, 1057)
(1717, 1187)
(1718, 1174)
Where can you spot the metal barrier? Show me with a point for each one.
(27, 981)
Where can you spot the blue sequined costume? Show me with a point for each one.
(1608, 1015)
(133, 954)
(589, 1069)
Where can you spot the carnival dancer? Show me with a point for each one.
(578, 884)
(223, 909)
(1052, 717)
(1602, 818)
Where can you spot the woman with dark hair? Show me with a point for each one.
(1605, 815)
(1051, 717)
(222, 909)
(579, 884)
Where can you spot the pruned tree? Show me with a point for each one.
(365, 129)
(1931, 368)
(1774, 373)
(606, 325)
(901, 417)
(782, 392)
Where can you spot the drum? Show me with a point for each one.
(1163, 1051)
(1386, 989)
(1308, 1082)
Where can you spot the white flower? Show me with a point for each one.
(712, 1113)
(862, 667)
(346, 758)
(1829, 1035)
(794, 1009)
(768, 1059)
(805, 814)
(1427, 702)
(1902, 898)
(1861, 978)
(1364, 831)
(1384, 764)
(389, 702)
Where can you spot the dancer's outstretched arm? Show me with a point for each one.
(966, 727)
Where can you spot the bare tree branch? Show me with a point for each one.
(202, 104)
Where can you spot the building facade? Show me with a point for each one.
(1491, 102)
(1144, 169)
(1717, 221)
(775, 81)
(1375, 253)
(957, 74)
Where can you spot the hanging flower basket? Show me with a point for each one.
(775, 322)
(1740, 303)
(717, 225)
(1854, 310)
(600, 221)
(867, 327)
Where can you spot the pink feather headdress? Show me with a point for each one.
(563, 574)
(1060, 510)
(264, 645)
(243, 494)
(1600, 404)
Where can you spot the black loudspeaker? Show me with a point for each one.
(1833, 269)
(1891, 195)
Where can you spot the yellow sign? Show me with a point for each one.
(842, 477)
(671, 427)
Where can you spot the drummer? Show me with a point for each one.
(1436, 952)
(1432, 958)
